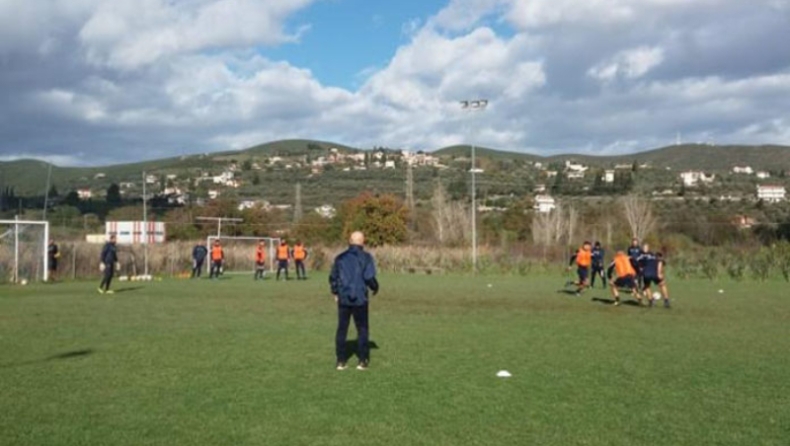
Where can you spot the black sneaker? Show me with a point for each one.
(363, 365)
(341, 366)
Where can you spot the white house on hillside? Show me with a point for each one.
(771, 194)
(692, 178)
(545, 204)
(608, 176)
(763, 175)
(747, 170)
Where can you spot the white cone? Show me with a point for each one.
(503, 374)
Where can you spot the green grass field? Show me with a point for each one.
(234, 362)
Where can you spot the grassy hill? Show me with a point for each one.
(28, 177)
(687, 156)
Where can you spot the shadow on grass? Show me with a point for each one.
(568, 292)
(353, 350)
(59, 357)
(129, 289)
(630, 302)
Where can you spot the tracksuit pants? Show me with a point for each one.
(344, 315)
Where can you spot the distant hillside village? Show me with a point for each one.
(225, 178)
(314, 181)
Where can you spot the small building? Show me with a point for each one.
(692, 178)
(771, 193)
(608, 176)
(213, 194)
(744, 170)
(99, 176)
(576, 175)
(545, 204)
(763, 175)
(743, 221)
(326, 211)
(84, 194)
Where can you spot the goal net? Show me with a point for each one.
(240, 253)
(23, 251)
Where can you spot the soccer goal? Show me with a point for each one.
(23, 251)
(240, 253)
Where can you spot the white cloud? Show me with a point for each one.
(628, 64)
(133, 33)
(622, 75)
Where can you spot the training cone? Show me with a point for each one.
(503, 374)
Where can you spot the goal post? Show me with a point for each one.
(23, 250)
(240, 253)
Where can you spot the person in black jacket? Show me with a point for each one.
(598, 260)
(108, 264)
(353, 274)
(199, 254)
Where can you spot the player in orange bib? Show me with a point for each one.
(217, 257)
(299, 254)
(260, 260)
(283, 256)
(622, 275)
(583, 261)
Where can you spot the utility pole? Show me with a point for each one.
(298, 204)
(145, 226)
(46, 193)
(410, 186)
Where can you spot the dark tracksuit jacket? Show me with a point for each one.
(353, 273)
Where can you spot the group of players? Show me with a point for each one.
(637, 270)
(284, 254)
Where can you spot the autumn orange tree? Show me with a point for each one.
(383, 218)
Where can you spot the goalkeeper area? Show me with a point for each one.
(23, 251)
(239, 362)
(240, 253)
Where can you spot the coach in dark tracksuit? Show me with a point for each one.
(353, 274)
(108, 259)
(199, 254)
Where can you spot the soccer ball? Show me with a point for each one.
(23, 282)
(656, 296)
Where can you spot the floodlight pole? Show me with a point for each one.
(472, 106)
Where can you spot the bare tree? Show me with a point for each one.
(639, 215)
(450, 219)
(571, 223)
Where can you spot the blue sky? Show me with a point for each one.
(95, 82)
(346, 38)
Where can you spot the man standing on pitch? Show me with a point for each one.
(299, 256)
(353, 274)
(283, 256)
(260, 260)
(108, 264)
(217, 257)
(53, 254)
(199, 254)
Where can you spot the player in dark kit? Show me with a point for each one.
(199, 254)
(634, 252)
(598, 256)
(653, 273)
(108, 265)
